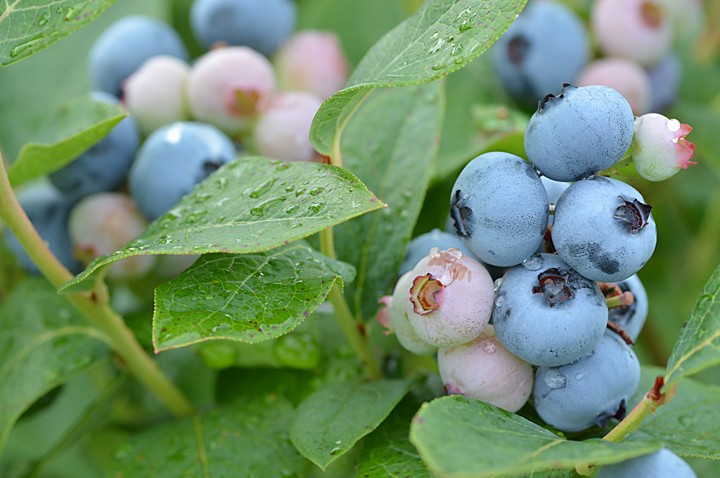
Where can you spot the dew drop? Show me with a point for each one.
(554, 379)
(316, 191)
(44, 20)
(500, 301)
(533, 263)
(488, 346)
(27, 46)
(579, 376)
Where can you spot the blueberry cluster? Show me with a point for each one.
(549, 44)
(255, 91)
(564, 244)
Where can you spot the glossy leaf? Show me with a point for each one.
(698, 346)
(250, 205)
(388, 453)
(29, 26)
(43, 344)
(457, 437)
(390, 144)
(443, 36)
(330, 421)
(246, 298)
(67, 133)
(689, 423)
(244, 439)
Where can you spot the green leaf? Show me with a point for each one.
(246, 298)
(330, 421)
(698, 346)
(43, 343)
(388, 453)
(29, 26)
(461, 437)
(390, 145)
(67, 133)
(443, 36)
(250, 205)
(689, 424)
(246, 439)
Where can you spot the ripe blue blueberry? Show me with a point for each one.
(603, 229)
(260, 24)
(630, 317)
(580, 132)
(48, 211)
(661, 464)
(500, 208)
(172, 161)
(104, 166)
(590, 391)
(545, 47)
(125, 45)
(547, 314)
(420, 247)
(664, 83)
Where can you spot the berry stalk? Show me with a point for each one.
(93, 306)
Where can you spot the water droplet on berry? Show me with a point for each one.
(554, 379)
(533, 263)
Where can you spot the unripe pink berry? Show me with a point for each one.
(484, 370)
(228, 86)
(395, 318)
(450, 298)
(659, 147)
(639, 30)
(283, 129)
(155, 94)
(312, 61)
(102, 223)
(624, 76)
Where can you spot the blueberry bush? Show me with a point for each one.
(206, 265)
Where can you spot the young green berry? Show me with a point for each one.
(659, 148)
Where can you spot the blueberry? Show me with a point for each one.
(547, 314)
(227, 87)
(484, 370)
(545, 47)
(259, 24)
(639, 30)
(283, 128)
(312, 61)
(624, 76)
(104, 166)
(48, 211)
(420, 247)
(664, 83)
(603, 229)
(449, 300)
(399, 323)
(661, 464)
(124, 47)
(580, 132)
(500, 208)
(155, 93)
(172, 161)
(102, 223)
(590, 391)
(630, 317)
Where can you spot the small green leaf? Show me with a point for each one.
(28, 26)
(461, 437)
(244, 439)
(330, 421)
(689, 424)
(390, 145)
(698, 346)
(66, 134)
(443, 36)
(43, 343)
(246, 298)
(250, 205)
(388, 453)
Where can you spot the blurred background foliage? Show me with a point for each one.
(480, 116)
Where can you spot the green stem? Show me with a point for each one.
(92, 305)
(353, 333)
(650, 402)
